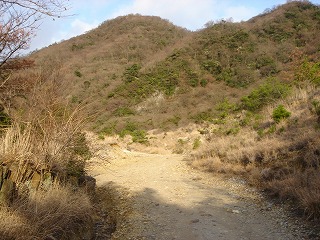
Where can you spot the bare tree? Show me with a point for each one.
(18, 21)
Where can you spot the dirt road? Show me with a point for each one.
(161, 198)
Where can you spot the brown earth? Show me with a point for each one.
(158, 196)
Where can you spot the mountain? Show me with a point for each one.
(145, 70)
(241, 98)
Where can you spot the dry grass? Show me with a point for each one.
(59, 212)
(45, 151)
(49, 142)
(46, 132)
(51, 145)
(89, 68)
(285, 161)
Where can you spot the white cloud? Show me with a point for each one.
(240, 13)
(187, 13)
(192, 14)
(77, 27)
(52, 31)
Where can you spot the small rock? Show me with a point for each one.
(195, 220)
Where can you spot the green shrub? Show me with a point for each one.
(101, 136)
(266, 65)
(5, 120)
(193, 79)
(226, 75)
(123, 111)
(309, 72)
(226, 106)
(237, 39)
(138, 135)
(212, 66)
(114, 76)
(233, 131)
(110, 129)
(246, 119)
(193, 82)
(80, 46)
(237, 77)
(280, 113)
(81, 153)
(316, 107)
(86, 84)
(265, 94)
(277, 33)
(196, 143)
(131, 73)
(182, 141)
(175, 120)
(203, 82)
(201, 117)
(111, 95)
(78, 73)
(74, 99)
(75, 47)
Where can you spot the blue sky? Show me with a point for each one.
(190, 14)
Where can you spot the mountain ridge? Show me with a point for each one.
(223, 61)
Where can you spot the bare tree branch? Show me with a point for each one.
(19, 19)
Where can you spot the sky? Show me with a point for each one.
(85, 15)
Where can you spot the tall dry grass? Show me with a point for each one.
(52, 141)
(46, 140)
(57, 213)
(284, 161)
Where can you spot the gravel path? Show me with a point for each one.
(160, 197)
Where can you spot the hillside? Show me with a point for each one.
(240, 98)
(146, 70)
(93, 64)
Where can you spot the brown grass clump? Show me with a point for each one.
(39, 155)
(59, 213)
(283, 158)
(42, 155)
(46, 144)
(46, 133)
(303, 187)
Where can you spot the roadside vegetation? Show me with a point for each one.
(276, 146)
(42, 173)
(43, 150)
(250, 89)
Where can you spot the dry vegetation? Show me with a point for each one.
(131, 59)
(282, 157)
(255, 97)
(56, 213)
(255, 103)
(42, 156)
